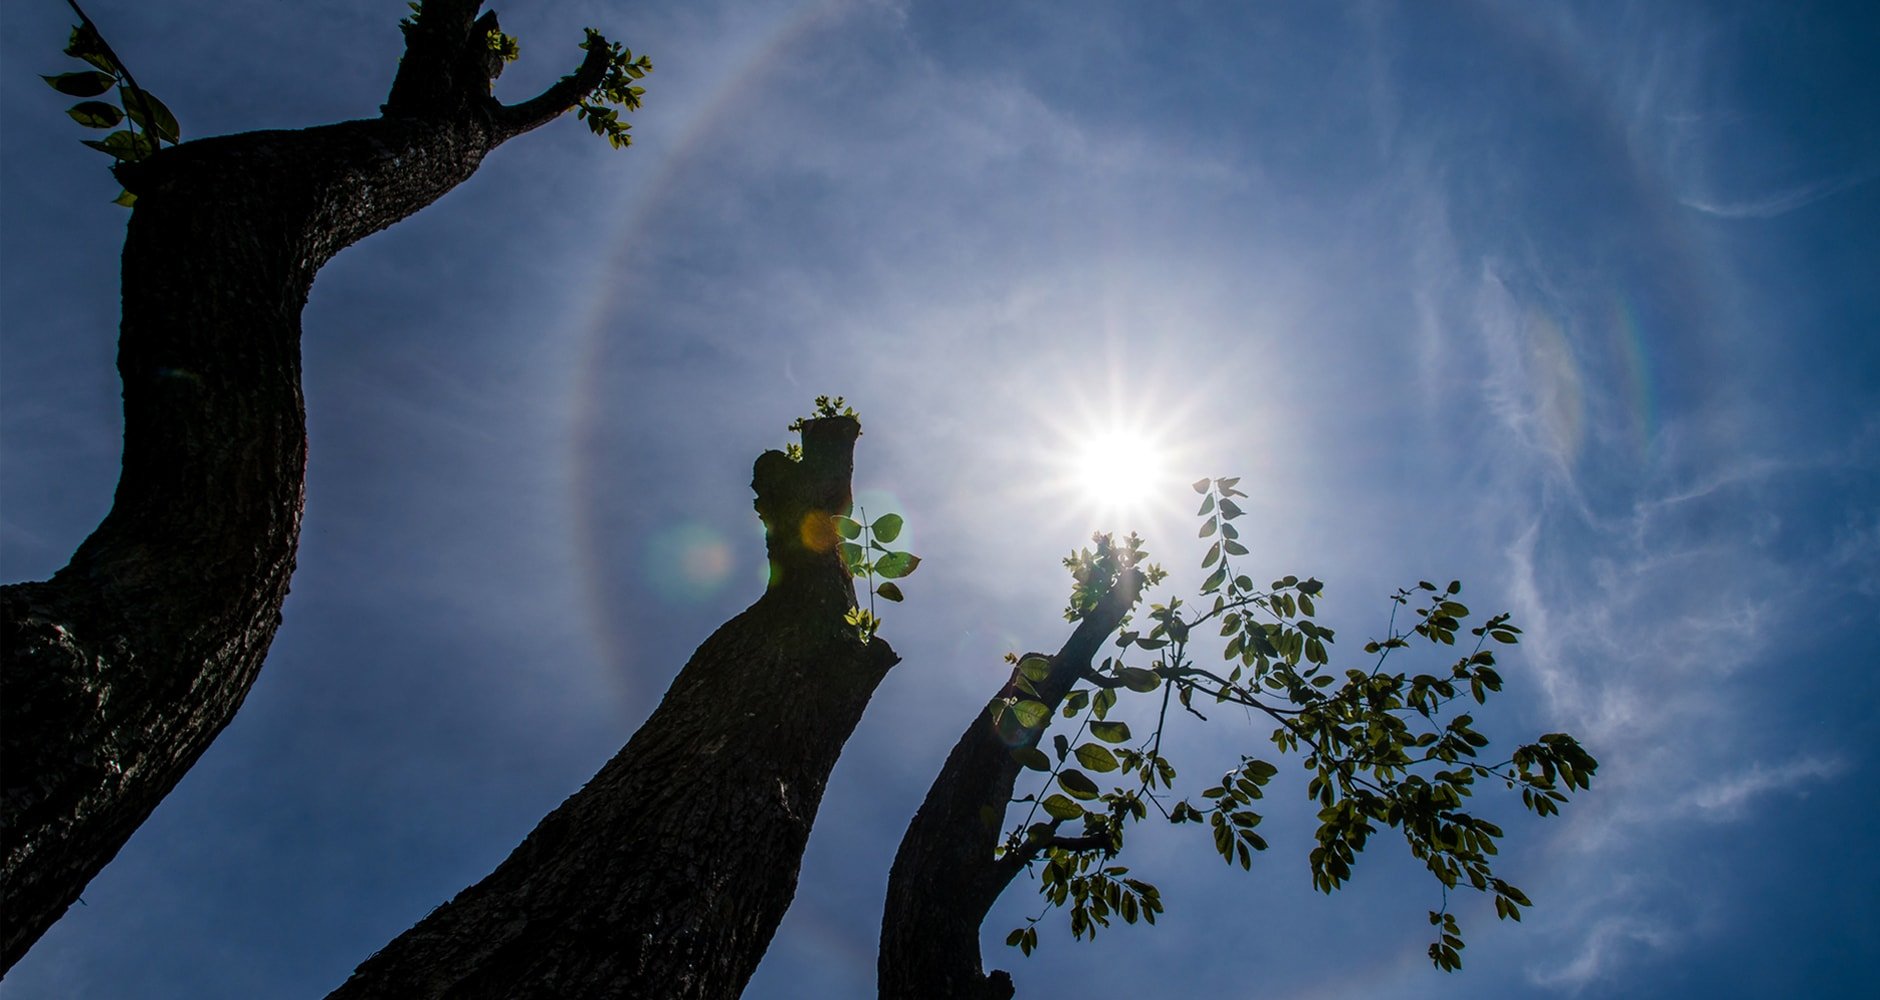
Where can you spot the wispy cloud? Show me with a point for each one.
(1600, 949)
(1726, 798)
(1779, 203)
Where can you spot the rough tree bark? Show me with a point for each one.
(668, 873)
(947, 873)
(122, 668)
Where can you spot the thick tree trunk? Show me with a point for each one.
(120, 670)
(668, 873)
(947, 873)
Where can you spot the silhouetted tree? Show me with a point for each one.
(122, 668)
(1382, 748)
(668, 873)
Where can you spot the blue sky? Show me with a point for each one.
(1573, 302)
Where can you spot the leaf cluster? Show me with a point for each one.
(1097, 571)
(1381, 748)
(616, 92)
(826, 407)
(147, 122)
(866, 554)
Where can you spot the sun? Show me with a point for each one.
(1118, 470)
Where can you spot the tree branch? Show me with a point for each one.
(565, 93)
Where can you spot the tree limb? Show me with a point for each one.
(514, 119)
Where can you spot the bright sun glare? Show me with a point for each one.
(1118, 470)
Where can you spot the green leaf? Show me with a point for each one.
(887, 527)
(1078, 784)
(1105, 698)
(95, 114)
(125, 198)
(848, 527)
(1110, 732)
(1031, 714)
(895, 565)
(1060, 807)
(123, 144)
(1096, 758)
(890, 592)
(1032, 757)
(1035, 668)
(85, 44)
(1200, 485)
(160, 120)
(1062, 745)
(85, 83)
(1140, 680)
(854, 556)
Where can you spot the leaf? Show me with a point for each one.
(854, 556)
(85, 83)
(1200, 485)
(1096, 758)
(123, 144)
(1062, 745)
(95, 114)
(1032, 757)
(848, 527)
(160, 120)
(1031, 714)
(1207, 507)
(1078, 784)
(887, 527)
(85, 44)
(1035, 668)
(1060, 807)
(125, 198)
(1110, 732)
(1140, 680)
(890, 592)
(895, 565)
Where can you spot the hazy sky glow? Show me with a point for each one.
(1573, 302)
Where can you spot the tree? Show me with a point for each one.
(122, 667)
(1382, 747)
(668, 873)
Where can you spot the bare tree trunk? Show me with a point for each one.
(668, 873)
(947, 873)
(120, 670)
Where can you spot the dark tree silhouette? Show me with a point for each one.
(949, 871)
(122, 668)
(666, 875)
(1385, 749)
